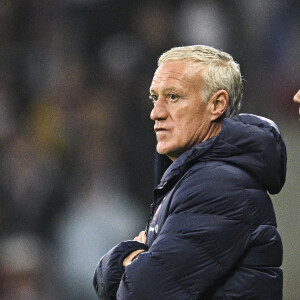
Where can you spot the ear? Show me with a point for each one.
(219, 102)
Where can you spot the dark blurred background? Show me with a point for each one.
(76, 141)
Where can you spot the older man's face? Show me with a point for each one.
(297, 99)
(181, 117)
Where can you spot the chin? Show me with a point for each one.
(171, 153)
(162, 149)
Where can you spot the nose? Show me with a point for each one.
(297, 97)
(159, 111)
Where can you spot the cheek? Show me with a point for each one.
(190, 125)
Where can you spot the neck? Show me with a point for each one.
(212, 130)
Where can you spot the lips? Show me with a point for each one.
(159, 129)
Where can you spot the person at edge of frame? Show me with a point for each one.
(297, 99)
(212, 230)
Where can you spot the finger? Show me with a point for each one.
(144, 237)
(139, 237)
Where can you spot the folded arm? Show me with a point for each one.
(191, 253)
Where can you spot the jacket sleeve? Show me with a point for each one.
(190, 254)
(200, 242)
(110, 269)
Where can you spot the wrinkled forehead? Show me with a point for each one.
(177, 72)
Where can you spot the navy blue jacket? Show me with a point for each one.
(212, 233)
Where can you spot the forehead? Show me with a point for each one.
(178, 73)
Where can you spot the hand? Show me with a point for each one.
(128, 259)
(140, 238)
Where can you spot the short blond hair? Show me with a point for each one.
(220, 72)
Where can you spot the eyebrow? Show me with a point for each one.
(168, 89)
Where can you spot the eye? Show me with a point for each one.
(172, 97)
(153, 98)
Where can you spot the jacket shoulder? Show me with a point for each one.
(214, 187)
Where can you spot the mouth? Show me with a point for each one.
(157, 129)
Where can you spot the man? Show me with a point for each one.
(297, 99)
(212, 231)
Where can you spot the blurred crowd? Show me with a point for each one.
(76, 141)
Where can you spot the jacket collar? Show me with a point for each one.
(250, 142)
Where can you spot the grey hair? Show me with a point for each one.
(220, 72)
